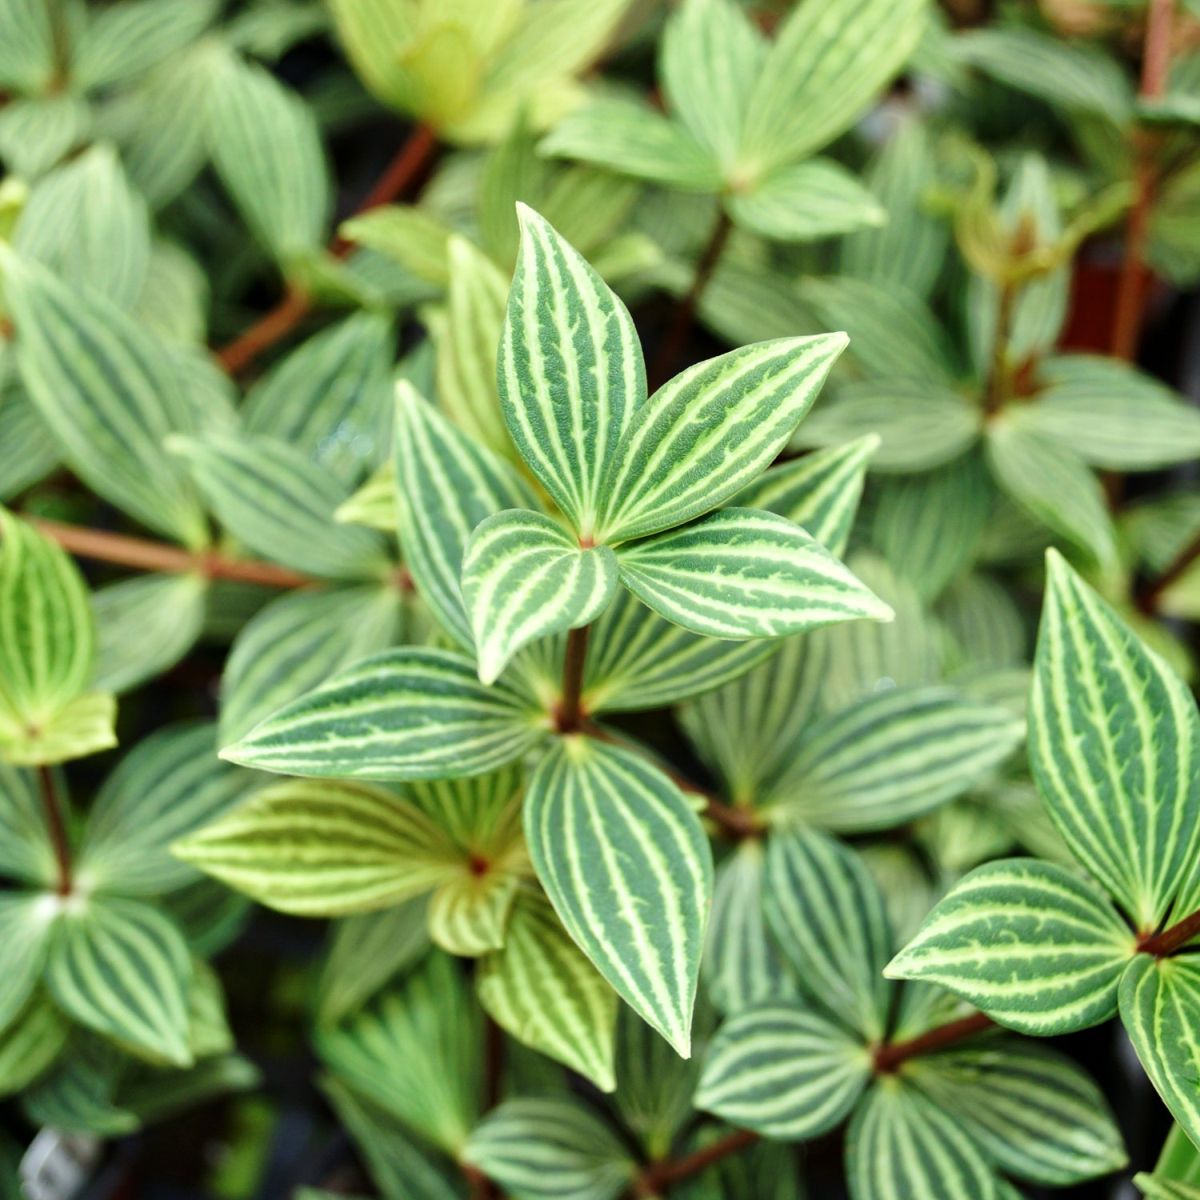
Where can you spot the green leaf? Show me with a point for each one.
(36, 132)
(26, 919)
(523, 578)
(267, 149)
(31, 453)
(543, 991)
(403, 714)
(827, 915)
(784, 1072)
(828, 62)
(123, 969)
(1054, 487)
(1114, 740)
(126, 39)
(902, 1147)
(570, 371)
(365, 953)
(550, 1150)
(415, 1051)
(47, 647)
(446, 486)
(170, 784)
(1036, 947)
(1160, 1006)
(144, 626)
(272, 497)
(1031, 1110)
(31, 1043)
(627, 867)
(416, 239)
(709, 431)
(1153, 1187)
(79, 1095)
(27, 45)
(806, 202)
(740, 573)
(890, 758)
(324, 849)
(111, 394)
(26, 853)
(634, 139)
(469, 912)
(295, 643)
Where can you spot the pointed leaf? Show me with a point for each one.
(469, 912)
(26, 919)
(31, 1043)
(805, 202)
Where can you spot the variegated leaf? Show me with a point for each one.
(1033, 945)
(26, 851)
(469, 912)
(31, 1043)
(403, 714)
(524, 577)
(1114, 743)
(570, 371)
(784, 1071)
(707, 433)
(805, 202)
(627, 867)
(545, 992)
(26, 920)
(741, 573)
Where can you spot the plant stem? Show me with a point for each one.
(1173, 938)
(1156, 63)
(659, 1176)
(401, 173)
(1148, 597)
(890, 1055)
(147, 555)
(570, 711)
(676, 336)
(996, 390)
(56, 827)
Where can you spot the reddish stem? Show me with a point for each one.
(570, 708)
(1149, 596)
(1173, 938)
(658, 1177)
(890, 1055)
(56, 827)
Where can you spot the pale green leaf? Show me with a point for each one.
(126, 39)
(413, 237)
(26, 919)
(469, 911)
(31, 1043)
(26, 853)
(806, 202)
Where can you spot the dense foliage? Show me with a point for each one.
(693, 751)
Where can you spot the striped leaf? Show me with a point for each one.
(1157, 1187)
(323, 849)
(1053, 487)
(1033, 945)
(267, 149)
(828, 62)
(543, 991)
(523, 578)
(110, 393)
(709, 431)
(31, 1043)
(415, 1051)
(741, 573)
(828, 918)
(31, 452)
(27, 45)
(783, 1071)
(805, 202)
(626, 865)
(26, 919)
(446, 485)
(373, 503)
(403, 714)
(122, 42)
(36, 131)
(170, 784)
(79, 1095)
(144, 626)
(121, 968)
(1114, 745)
(820, 491)
(412, 237)
(47, 648)
(1031, 1110)
(1160, 1007)
(272, 497)
(894, 756)
(902, 1147)
(296, 642)
(570, 371)
(550, 1150)
(469, 912)
(26, 853)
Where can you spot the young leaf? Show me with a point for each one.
(524, 577)
(902, 1147)
(31, 1043)
(740, 573)
(627, 867)
(123, 969)
(550, 1150)
(828, 918)
(323, 848)
(1114, 744)
(1036, 947)
(894, 756)
(806, 202)
(543, 991)
(784, 1072)
(570, 372)
(704, 435)
(469, 911)
(403, 714)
